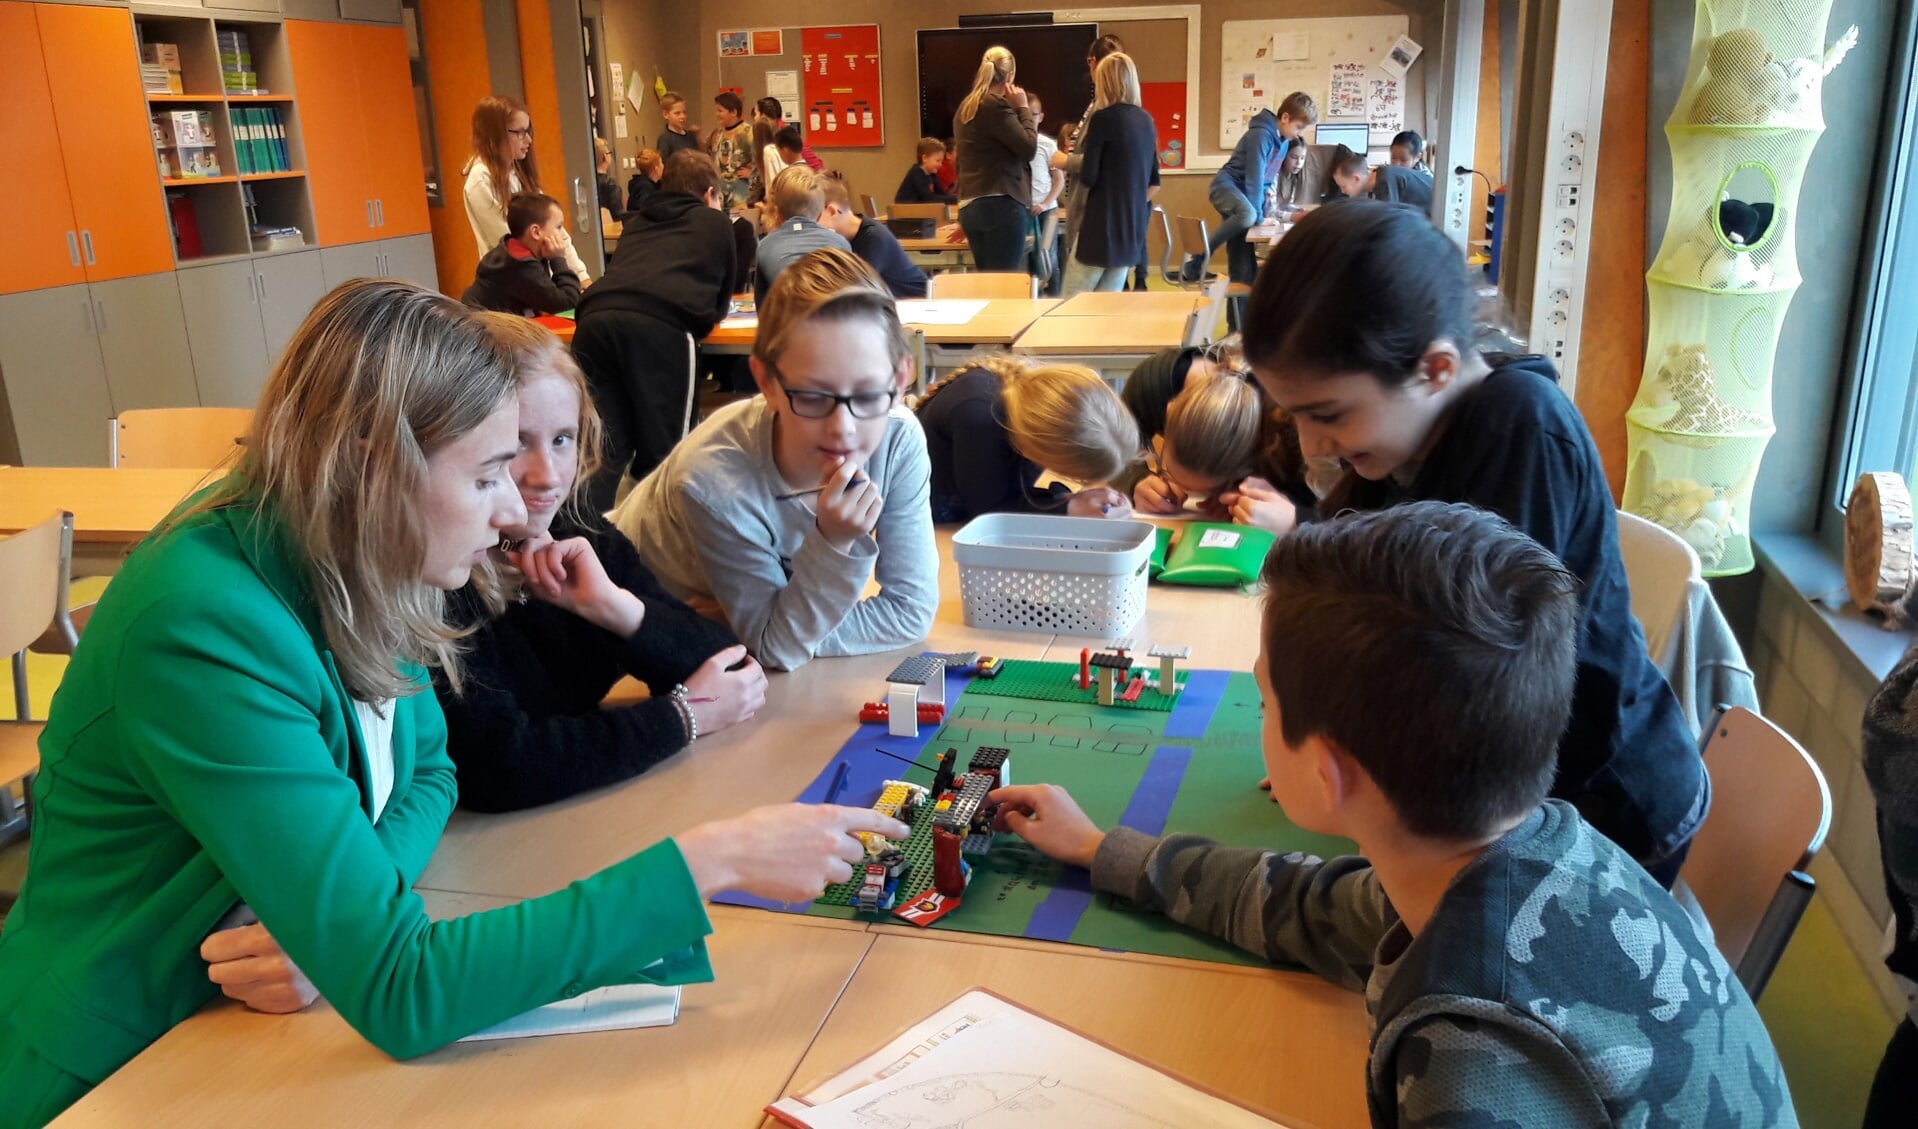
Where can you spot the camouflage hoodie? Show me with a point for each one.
(1556, 985)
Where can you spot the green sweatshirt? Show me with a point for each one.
(202, 751)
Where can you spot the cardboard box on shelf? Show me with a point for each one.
(194, 162)
(156, 79)
(184, 129)
(277, 238)
(166, 55)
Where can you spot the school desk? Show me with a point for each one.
(999, 323)
(112, 509)
(1111, 345)
(1128, 304)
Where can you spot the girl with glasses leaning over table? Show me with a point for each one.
(777, 510)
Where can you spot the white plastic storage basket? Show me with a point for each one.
(1072, 575)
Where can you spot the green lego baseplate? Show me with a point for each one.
(918, 851)
(1059, 682)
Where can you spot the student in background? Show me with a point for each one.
(1360, 328)
(1891, 772)
(1047, 184)
(791, 147)
(245, 770)
(673, 275)
(678, 135)
(1416, 668)
(1239, 187)
(1069, 158)
(996, 144)
(1226, 452)
(610, 197)
(650, 167)
(994, 427)
(1399, 183)
(1408, 150)
(1287, 194)
(921, 184)
(872, 242)
(501, 167)
(1120, 170)
(773, 114)
(948, 174)
(526, 273)
(797, 200)
(731, 145)
(1350, 176)
(779, 150)
(778, 510)
(568, 612)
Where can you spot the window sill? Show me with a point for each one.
(1805, 566)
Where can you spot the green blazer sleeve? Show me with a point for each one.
(412, 824)
(251, 778)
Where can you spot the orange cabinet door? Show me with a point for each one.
(46, 247)
(326, 95)
(106, 139)
(397, 178)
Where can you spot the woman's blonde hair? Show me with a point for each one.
(998, 65)
(1216, 425)
(1115, 80)
(826, 285)
(491, 119)
(1064, 418)
(380, 376)
(532, 351)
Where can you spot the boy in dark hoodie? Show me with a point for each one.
(673, 276)
(526, 273)
(1238, 189)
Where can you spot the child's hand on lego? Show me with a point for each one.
(1265, 785)
(1154, 495)
(848, 504)
(248, 965)
(1099, 501)
(568, 574)
(732, 696)
(789, 852)
(1258, 503)
(1046, 816)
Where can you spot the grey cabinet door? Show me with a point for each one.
(222, 308)
(56, 384)
(411, 258)
(373, 11)
(354, 260)
(288, 287)
(143, 341)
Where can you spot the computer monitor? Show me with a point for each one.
(1355, 136)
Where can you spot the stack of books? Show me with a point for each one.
(236, 62)
(184, 144)
(160, 68)
(259, 139)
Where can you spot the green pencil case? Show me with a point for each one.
(1217, 555)
(1161, 542)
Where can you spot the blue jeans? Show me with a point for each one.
(996, 228)
(1237, 213)
(1080, 278)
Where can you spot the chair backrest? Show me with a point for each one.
(1205, 315)
(983, 284)
(940, 212)
(1659, 567)
(1192, 235)
(871, 205)
(1164, 223)
(1770, 813)
(186, 438)
(32, 564)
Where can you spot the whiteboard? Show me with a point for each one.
(1261, 61)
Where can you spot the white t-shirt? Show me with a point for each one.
(487, 213)
(1042, 169)
(771, 164)
(376, 730)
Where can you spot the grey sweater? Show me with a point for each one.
(707, 524)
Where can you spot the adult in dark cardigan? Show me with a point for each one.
(673, 275)
(1120, 170)
(996, 139)
(526, 727)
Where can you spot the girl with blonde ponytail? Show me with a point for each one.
(996, 139)
(996, 426)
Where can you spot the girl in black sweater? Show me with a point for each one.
(568, 612)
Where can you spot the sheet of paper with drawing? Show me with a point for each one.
(945, 311)
(983, 1059)
(616, 1007)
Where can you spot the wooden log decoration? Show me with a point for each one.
(1878, 542)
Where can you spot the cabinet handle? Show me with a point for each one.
(73, 248)
(369, 213)
(379, 210)
(262, 279)
(86, 240)
(86, 305)
(102, 311)
(252, 288)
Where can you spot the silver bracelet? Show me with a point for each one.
(686, 713)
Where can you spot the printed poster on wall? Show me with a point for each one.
(1165, 101)
(1345, 96)
(840, 71)
(735, 44)
(1384, 105)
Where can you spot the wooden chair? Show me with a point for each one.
(188, 438)
(940, 212)
(983, 284)
(1205, 315)
(34, 565)
(1660, 568)
(1168, 270)
(1770, 813)
(871, 206)
(1193, 241)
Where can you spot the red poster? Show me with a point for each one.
(768, 41)
(840, 86)
(1165, 101)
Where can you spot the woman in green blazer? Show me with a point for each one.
(247, 725)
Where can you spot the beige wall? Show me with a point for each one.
(652, 37)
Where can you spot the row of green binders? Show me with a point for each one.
(259, 140)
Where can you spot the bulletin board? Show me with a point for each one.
(839, 73)
(1333, 60)
(1165, 101)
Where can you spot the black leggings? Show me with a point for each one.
(1894, 1093)
(996, 228)
(636, 369)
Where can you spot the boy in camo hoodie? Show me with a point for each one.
(1519, 968)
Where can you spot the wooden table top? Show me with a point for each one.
(936, 243)
(1000, 323)
(1128, 304)
(1062, 334)
(113, 507)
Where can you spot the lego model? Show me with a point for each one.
(950, 871)
(987, 667)
(1111, 665)
(880, 887)
(915, 681)
(958, 661)
(991, 761)
(1133, 689)
(1168, 656)
(966, 813)
(942, 778)
(899, 799)
(880, 711)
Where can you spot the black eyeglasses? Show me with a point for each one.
(527, 132)
(808, 404)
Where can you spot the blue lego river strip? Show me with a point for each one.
(1192, 713)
